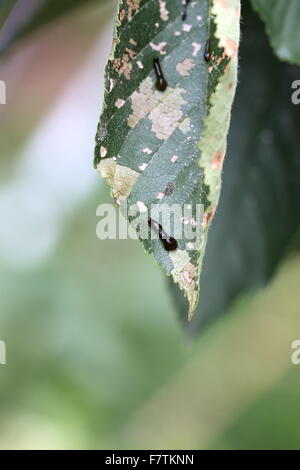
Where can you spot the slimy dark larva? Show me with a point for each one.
(184, 13)
(169, 243)
(207, 52)
(161, 83)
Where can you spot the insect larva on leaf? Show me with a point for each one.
(184, 13)
(161, 83)
(169, 243)
(207, 52)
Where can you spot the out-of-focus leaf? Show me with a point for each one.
(81, 358)
(270, 422)
(282, 18)
(44, 67)
(5, 8)
(259, 212)
(237, 362)
(159, 143)
(29, 15)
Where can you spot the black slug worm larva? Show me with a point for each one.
(207, 52)
(184, 13)
(169, 243)
(161, 83)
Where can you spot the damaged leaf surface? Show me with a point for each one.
(160, 145)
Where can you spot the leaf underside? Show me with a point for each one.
(168, 147)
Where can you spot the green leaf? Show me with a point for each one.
(282, 20)
(259, 213)
(5, 8)
(167, 147)
(32, 16)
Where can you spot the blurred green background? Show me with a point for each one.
(96, 357)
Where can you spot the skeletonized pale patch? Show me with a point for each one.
(196, 47)
(187, 28)
(120, 178)
(143, 101)
(133, 6)
(160, 47)
(183, 68)
(185, 126)
(164, 13)
(103, 151)
(165, 111)
(119, 103)
(123, 66)
(141, 206)
(166, 116)
(143, 166)
(185, 274)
